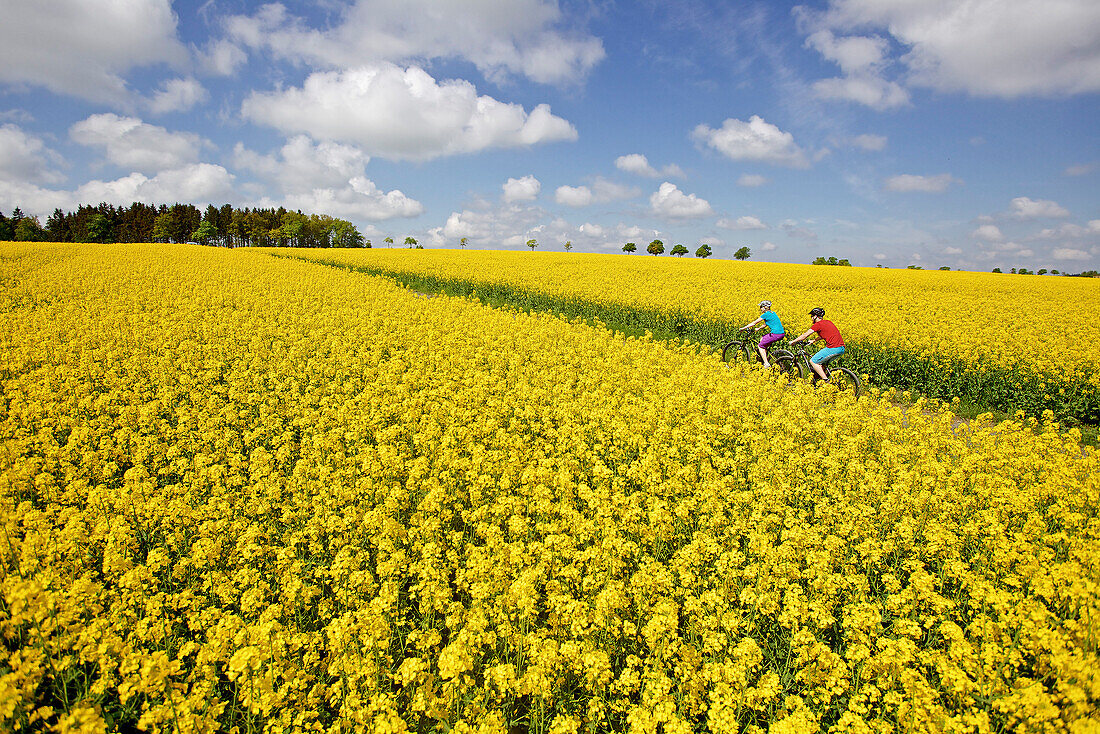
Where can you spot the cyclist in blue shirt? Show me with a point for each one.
(775, 329)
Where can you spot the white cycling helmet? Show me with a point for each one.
(766, 304)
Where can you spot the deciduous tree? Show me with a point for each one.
(27, 229)
(344, 234)
(205, 232)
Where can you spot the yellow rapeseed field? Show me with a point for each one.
(1042, 323)
(244, 493)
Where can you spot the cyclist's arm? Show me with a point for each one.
(803, 335)
(751, 324)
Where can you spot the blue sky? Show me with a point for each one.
(894, 132)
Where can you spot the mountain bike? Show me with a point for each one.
(742, 348)
(795, 364)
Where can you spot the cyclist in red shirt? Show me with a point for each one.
(834, 343)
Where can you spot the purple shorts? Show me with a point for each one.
(769, 339)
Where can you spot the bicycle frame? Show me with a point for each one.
(746, 344)
(799, 354)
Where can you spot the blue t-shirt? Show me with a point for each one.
(775, 326)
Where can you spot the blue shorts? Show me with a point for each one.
(824, 355)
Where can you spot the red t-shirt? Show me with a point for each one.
(827, 330)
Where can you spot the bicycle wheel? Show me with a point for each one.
(845, 380)
(787, 365)
(735, 351)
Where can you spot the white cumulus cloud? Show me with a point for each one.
(638, 164)
(85, 49)
(325, 177)
(852, 53)
(1025, 208)
(601, 191)
(1071, 231)
(222, 57)
(745, 222)
(303, 165)
(178, 95)
(996, 48)
(526, 188)
(359, 199)
(575, 196)
(196, 183)
(509, 225)
(130, 143)
(873, 92)
(200, 184)
(25, 158)
(862, 59)
(669, 201)
(989, 233)
(755, 140)
(403, 113)
(531, 38)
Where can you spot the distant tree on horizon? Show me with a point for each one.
(630, 247)
(704, 251)
(678, 251)
(656, 247)
(205, 232)
(532, 243)
(743, 253)
(27, 229)
(819, 260)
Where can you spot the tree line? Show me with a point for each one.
(657, 247)
(225, 226)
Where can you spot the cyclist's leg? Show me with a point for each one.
(765, 342)
(819, 370)
(823, 357)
